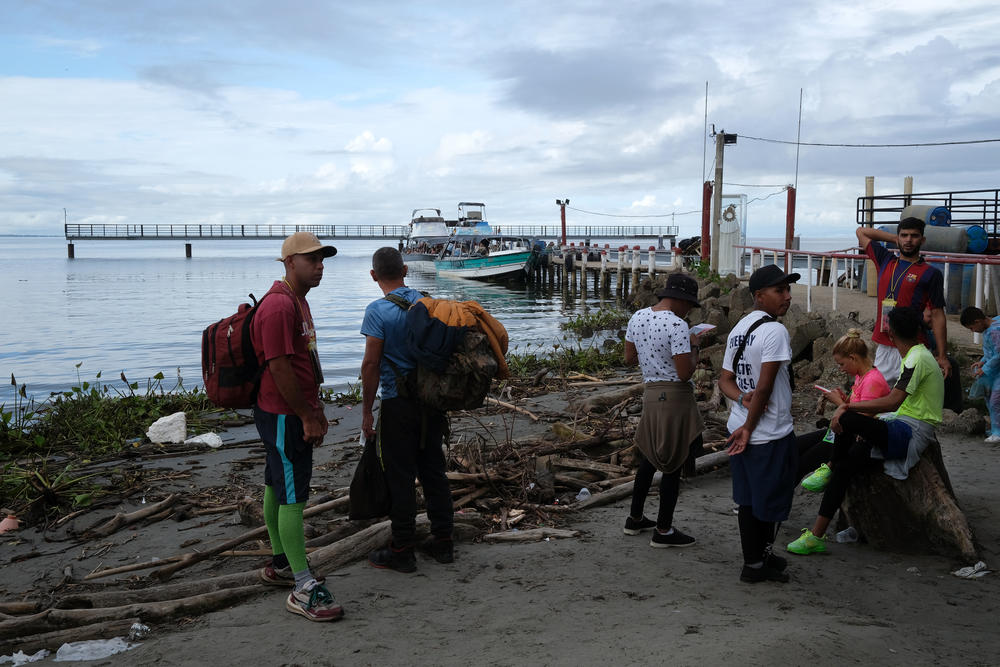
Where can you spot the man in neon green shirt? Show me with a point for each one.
(894, 442)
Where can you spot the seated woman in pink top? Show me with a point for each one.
(815, 449)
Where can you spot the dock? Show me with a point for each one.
(188, 233)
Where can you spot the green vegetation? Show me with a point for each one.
(91, 419)
(352, 396)
(567, 359)
(586, 324)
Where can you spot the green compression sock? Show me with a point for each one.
(292, 536)
(271, 520)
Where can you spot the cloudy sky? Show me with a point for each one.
(357, 112)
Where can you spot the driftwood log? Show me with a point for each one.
(58, 619)
(532, 535)
(918, 515)
(603, 401)
(165, 573)
(122, 519)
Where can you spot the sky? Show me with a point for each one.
(308, 112)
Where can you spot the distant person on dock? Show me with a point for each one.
(290, 421)
(852, 356)
(906, 281)
(670, 429)
(894, 443)
(756, 377)
(409, 434)
(987, 369)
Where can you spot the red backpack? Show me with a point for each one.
(229, 365)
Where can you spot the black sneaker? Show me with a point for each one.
(441, 549)
(674, 539)
(755, 575)
(775, 562)
(400, 559)
(633, 527)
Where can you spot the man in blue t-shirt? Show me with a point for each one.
(408, 434)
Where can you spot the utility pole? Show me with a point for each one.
(562, 204)
(717, 199)
(721, 139)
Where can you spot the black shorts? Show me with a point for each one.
(288, 468)
(765, 476)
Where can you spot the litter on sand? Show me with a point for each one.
(972, 571)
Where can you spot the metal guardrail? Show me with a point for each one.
(967, 207)
(163, 232)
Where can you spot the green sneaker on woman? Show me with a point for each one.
(818, 480)
(808, 544)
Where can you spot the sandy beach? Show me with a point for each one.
(600, 598)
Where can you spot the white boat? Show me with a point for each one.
(491, 257)
(429, 232)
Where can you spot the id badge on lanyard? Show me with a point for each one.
(887, 306)
(310, 332)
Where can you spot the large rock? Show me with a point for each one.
(917, 515)
(804, 328)
(969, 422)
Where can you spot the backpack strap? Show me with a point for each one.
(746, 338)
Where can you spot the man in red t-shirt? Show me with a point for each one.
(290, 420)
(904, 281)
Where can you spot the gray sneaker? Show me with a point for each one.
(315, 603)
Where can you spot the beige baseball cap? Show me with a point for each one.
(301, 243)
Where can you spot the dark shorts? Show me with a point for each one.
(764, 477)
(288, 468)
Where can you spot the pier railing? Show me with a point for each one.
(190, 232)
(836, 267)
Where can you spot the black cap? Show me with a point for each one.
(679, 286)
(769, 276)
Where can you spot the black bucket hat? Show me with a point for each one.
(679, 286)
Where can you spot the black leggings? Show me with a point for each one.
(670, 487)
(756, 536)
(852, 455)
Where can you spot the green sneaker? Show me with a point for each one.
(818, 480)
(808, 544)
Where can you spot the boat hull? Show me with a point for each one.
(490, 267)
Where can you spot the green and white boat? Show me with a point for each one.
(492, 257)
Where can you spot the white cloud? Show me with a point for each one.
(366, 142)
(646, 202)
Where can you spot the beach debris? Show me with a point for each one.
(171, 429)
(92, 649)
(9, 524)
(208, 439)
(21, 658)
(972, 571)
(138, 631)
(584, 494)
(532, 535)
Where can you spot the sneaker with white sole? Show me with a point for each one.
(673, 539)
(633, 527)
(993, 438)
(314, 602)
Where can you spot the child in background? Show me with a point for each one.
(987, 369)
(852, 357)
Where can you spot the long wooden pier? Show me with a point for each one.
(203, 232)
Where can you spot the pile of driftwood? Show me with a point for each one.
(503, 490)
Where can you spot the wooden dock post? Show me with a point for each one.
(70, 252)
(652, 262)
(604, 271)
(583, 268)
(636, 257)
(619, 285)
(569, 277)
(187, 250)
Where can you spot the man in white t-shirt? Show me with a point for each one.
(658, 339)
(763, 458)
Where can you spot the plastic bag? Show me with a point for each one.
(980, 388)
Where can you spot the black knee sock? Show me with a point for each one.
(752, 536)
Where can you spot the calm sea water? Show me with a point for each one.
(140, 307)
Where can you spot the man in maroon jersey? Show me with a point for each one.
(904, 281)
